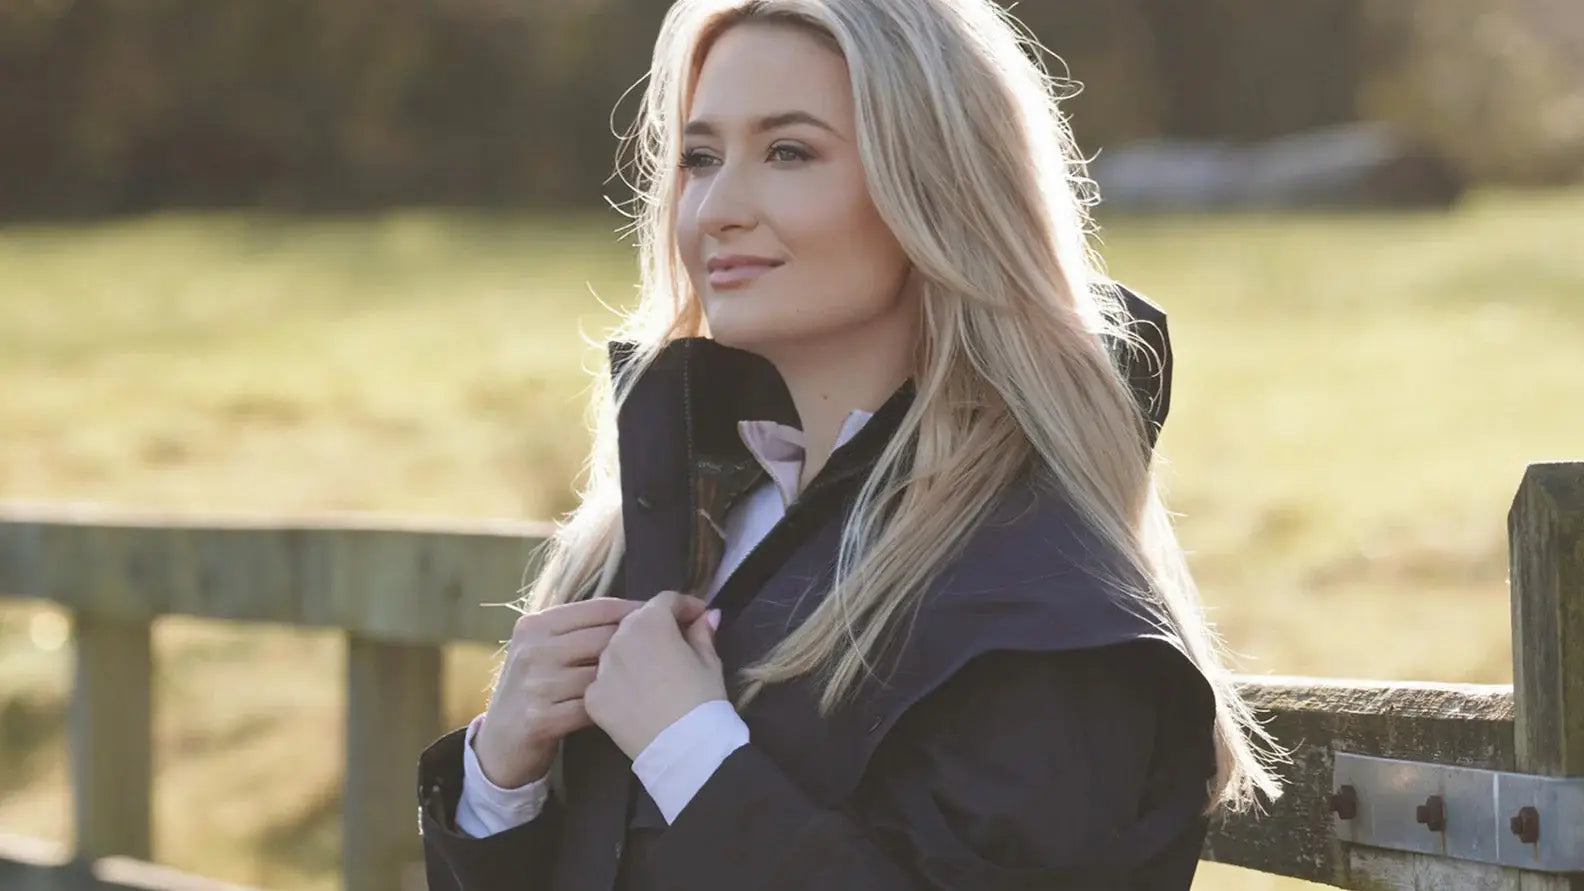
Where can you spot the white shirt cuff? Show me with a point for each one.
(677, 763)
(484, 808)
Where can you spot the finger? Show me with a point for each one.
(700, 636)
(563, 718)
(586, 614)
(684, 607)
(567, 685)
(596, 611)
(581, 646)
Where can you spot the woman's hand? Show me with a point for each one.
(659, 666)
(539, 698)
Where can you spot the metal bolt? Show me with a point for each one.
(1432, 814)
(1526, 825)
(1343, 802)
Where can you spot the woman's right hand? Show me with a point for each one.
(551, 659)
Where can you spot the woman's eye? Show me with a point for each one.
(695, 159)
(788, 153)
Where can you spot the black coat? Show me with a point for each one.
(1034, 734)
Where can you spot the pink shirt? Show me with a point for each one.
(677, 763)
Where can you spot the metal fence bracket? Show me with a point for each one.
(1510, 819)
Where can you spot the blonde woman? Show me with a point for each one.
(870, 587)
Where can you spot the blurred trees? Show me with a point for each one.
(127, 104)
(123, 105)
(1238, 69)
(1497, 87)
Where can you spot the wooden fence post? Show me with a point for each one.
(1546, 541)
(393, 711)
(110, 736)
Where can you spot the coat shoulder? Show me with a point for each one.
(1033, 578)
(1035, 575)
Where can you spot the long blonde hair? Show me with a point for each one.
(972, 165)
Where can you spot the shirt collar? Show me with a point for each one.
(779, 448)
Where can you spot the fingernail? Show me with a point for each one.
(713, 617)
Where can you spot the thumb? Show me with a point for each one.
(701, 633)
(686, 607)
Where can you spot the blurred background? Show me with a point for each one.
(287, 257)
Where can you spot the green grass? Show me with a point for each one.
(1356, 399)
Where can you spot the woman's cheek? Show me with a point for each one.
(687, 236)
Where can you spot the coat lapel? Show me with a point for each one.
(684, 465)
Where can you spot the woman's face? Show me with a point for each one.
(774, 220)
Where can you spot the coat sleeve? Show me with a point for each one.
(520, 857)
(1022, 771)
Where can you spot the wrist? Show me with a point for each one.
(686, 754)
(500, 772)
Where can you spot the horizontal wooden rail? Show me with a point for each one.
(381, 580)
(1463, 724)
(399, 591)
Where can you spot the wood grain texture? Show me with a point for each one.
(1546, 559)
(1468, 725)
(398, 582)
(1400, 871)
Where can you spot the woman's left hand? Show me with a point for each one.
(659, 665)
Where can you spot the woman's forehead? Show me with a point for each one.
(754, 71)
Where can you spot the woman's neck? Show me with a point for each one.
(831, 378)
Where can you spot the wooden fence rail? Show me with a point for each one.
(400, 593)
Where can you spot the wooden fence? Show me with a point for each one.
(400, 593)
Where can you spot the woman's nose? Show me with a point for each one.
(729, 203)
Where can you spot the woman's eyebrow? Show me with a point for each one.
(703, 127)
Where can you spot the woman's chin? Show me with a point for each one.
(744, 334)
(753, 342)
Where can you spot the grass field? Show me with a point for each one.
(1356, 399)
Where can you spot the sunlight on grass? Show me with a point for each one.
(1355, 401)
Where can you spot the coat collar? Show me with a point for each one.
(718, 386)
(682, 454)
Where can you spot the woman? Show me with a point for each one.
(870, 587)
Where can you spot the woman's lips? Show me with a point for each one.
(736, 276)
